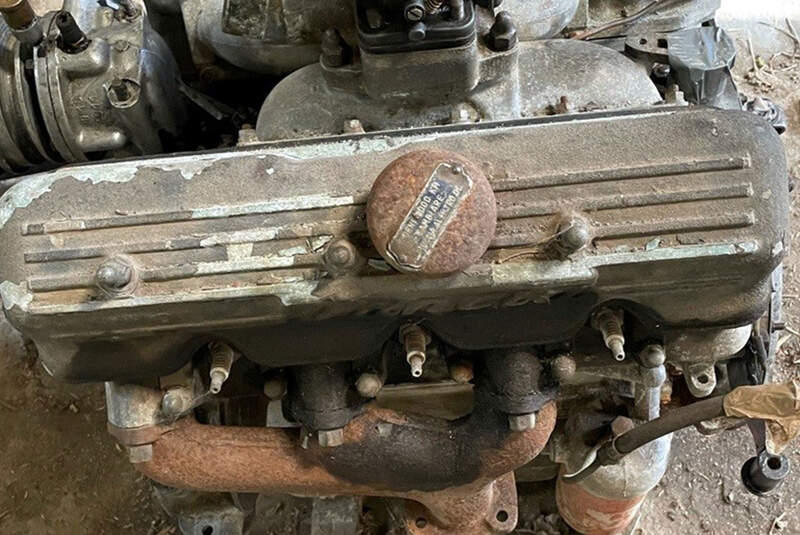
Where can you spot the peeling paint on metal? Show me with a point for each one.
(22, 194)
(15, 295)
(253, 263)
(240, 236)
(239, 251)
(300, 202)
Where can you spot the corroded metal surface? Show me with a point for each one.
(460, 475)
(232, 244)
(431, 212)
(595, 515)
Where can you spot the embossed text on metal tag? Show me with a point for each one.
(432, 211)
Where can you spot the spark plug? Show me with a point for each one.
(609, 323)
(221, 361)
(415, 341)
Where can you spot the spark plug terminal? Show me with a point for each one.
(609, 323)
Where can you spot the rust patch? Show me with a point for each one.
(431, 212)
(593, 515)
(272, 461)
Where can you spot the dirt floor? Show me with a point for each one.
(60, 472)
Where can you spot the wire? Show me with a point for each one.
(649, 8)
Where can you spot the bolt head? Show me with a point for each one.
(414, 13)
(652, 356)
(563, 368)
(340, 256)
(333, 51)
(331, 438)
(275, 388)
(353, 126)
(503, 33)
(116, 276)
(176, 401)
(417, 32)
(462, 372)
(369, 385)
(573, 235)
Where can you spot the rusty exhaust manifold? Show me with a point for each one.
(457, 477)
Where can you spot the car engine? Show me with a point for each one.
(411, 257)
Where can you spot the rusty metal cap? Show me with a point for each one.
(431, 212)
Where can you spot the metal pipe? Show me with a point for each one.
(461, 474)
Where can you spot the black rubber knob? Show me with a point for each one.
(763, 474)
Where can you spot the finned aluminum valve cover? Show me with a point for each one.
(680, 213)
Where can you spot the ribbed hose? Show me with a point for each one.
(434, 6)
(21, 145)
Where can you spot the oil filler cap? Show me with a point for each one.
(432, 213)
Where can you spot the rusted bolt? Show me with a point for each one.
(116, 276)
(521, 422)
(331, 438)
(503, 33)
(462, 372)
(176, 401)
(341, 256)
(334, 49)
(415, 341)
(432, 213)
(222, 356)
(140, 454)
(652, 356)
(609, 323)
(573, 235)
(563, 368)
(369, 385)
(275, 387)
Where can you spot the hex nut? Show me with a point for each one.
(563, 368)
(503, 33)
(462, 372)
(522, 422)
(140, 454)
(341, 256)
(275, 387)
(334, 53)
(331, 438)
